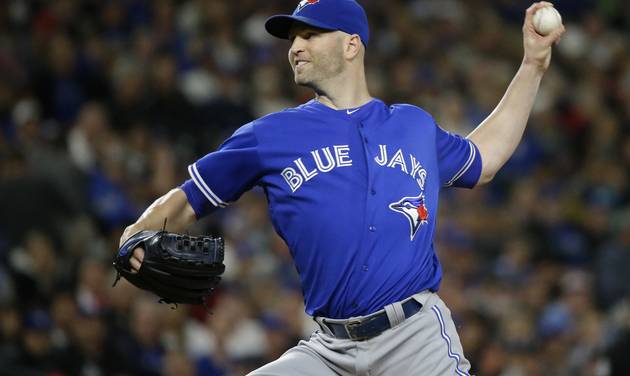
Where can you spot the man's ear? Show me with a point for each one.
(353, 46)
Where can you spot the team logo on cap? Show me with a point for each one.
(414, 209)
(304, 3)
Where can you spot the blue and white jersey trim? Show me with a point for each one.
(466, 166)
(203, 187)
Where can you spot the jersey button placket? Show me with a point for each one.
(370, 176)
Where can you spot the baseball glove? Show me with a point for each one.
(177, 268)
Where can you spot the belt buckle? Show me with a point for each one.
(351, 326)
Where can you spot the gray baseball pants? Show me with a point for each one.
(424, 344)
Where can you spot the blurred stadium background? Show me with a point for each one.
(104, 103)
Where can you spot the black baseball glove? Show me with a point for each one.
(178, 268)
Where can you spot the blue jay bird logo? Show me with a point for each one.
(414, 209)
(304, 3)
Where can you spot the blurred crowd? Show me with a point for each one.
(103, 104)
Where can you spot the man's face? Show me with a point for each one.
(315, 55)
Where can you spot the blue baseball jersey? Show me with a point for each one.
(354, 193)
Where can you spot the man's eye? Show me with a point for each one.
(306, 35)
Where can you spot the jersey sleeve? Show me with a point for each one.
(459, 160)
(221, 177)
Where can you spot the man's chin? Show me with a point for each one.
(301, 81)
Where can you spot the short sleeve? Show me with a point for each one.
(459, 160)
(221, 177)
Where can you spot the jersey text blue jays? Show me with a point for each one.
(358, 186)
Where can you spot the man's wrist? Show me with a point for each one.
(533, 66)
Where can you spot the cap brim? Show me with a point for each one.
(279, 25)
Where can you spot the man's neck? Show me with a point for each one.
(344, 92)
(343, 103)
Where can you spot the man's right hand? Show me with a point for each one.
(179, 269)
(136, 259)
(138, 252)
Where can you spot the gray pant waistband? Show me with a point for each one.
(394, 313)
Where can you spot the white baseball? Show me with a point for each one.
(546, 20)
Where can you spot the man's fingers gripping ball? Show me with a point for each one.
(546, 19)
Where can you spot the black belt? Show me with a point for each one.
(370, 326)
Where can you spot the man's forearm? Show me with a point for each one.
(500, 133)
(172, 207)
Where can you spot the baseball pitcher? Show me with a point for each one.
(352, 185)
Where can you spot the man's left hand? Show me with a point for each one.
(538, 47)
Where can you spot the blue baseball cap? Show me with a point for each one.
(344, 15)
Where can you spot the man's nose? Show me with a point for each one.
(297, 45)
